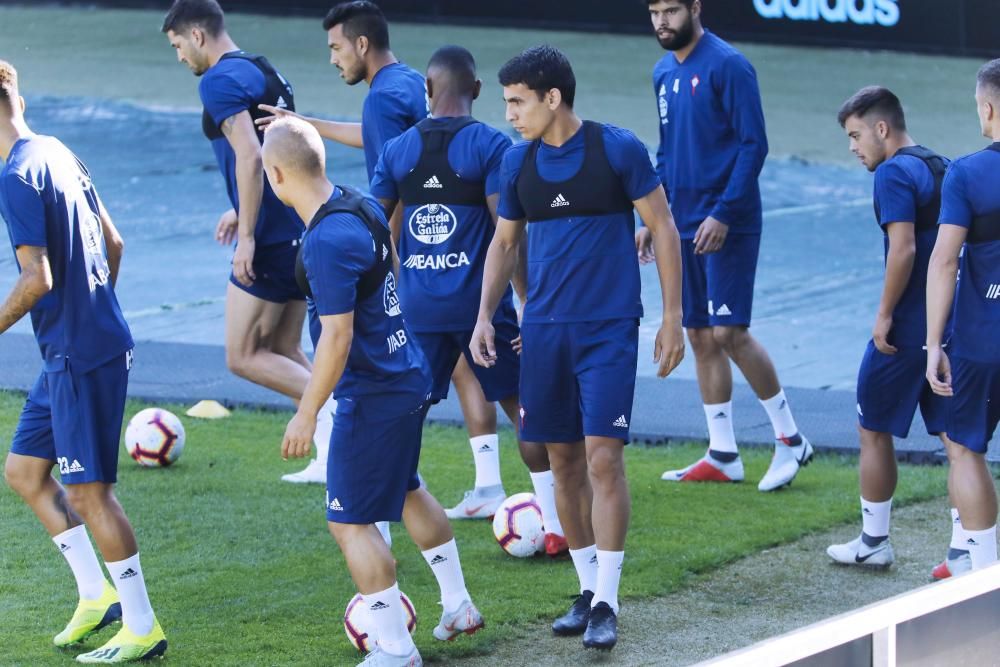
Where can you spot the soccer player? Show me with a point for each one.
(970, 370)
(365, 353)
(573, 184)
(358, 37)
(712, 148)
(68, 253)
(446, 171)
(891, 382)
(264, 308)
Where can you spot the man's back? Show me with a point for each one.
(48, 200)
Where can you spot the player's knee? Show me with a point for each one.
(88, 500)
(534, 456)
(21, 478)
(239, 362)
(606, 465)
(568, 466)
(728, 338)
(703, 342)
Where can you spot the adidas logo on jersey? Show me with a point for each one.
(437, 560)
(336, 506)
(621, 422)
(128, 574)
(559, 201)
(993, 292)
(379, 606)
(281, 103)
(76, 467)
(433, 183)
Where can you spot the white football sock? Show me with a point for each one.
(486, 456)
(324, 430)
(875, 518)
(721, 437)
(127, 577)
(957, 532)
(780, 414)
(585, 562)
(982, 546)
(388, 621)
(609, 574)
(545, 493)
(79, 553)
(447, 569)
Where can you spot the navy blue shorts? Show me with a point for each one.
(578, 379)
(718, 288)
(374, 452)
(974, 410)
(891, 387)
(75, 420)
(274, 266)
(442, 349)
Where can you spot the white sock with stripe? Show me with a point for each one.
(78, 551)
(127, 577)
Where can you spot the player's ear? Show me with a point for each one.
(276, 175)
(696, 9)
(553, 98)
(198, 37)
(882, 128)
(361, 44)
(430, 87)
(22, 103)
(477, 88)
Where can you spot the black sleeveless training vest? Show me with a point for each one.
(433, 181)
(985, 228)
(928, 214)
(594, 190)
(277, 93)
(353, 202)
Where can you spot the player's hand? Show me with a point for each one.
(644, 245)
(225, 230)
(880, 334)
(516, 345)
(939, 371)
(299, 433)
(668, 350)
(710, 236)
(243, 261)
(483, 346)
(276, 113)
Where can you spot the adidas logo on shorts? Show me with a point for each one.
(336, 506)
(433, 183)
(76, 467)
(621, 422)
(723, 311)
(559, 201)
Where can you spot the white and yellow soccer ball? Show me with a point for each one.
(518, 527)
(358, 628)
(154, 438)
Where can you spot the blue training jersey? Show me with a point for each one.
(384, 358)
(232, 85)
(970, 198)
(443, 247)
(581, 268)
(49, 201)
(712, 137)
(396, 102)
(904, 184)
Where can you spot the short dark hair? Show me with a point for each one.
(8, 85)
(186, 14)
(874, 100)
(686, 3)
(989, 76)
(360, 19)
(541, 68)
(459, 63)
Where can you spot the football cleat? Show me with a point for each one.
(574, 622)
(788, 459)
(602, 628)
(556, 545)
(465, 619)
(91, 616)
(379, 658)
(952, 567)
(478, 505)
(707, 469)
(856, 552)
(126, 646)
(314, 473)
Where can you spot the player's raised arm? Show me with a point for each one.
(501, 262)
(242, 136)
(655, 213)
(342, 132)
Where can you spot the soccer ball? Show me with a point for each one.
(154, 438)
(356, 621)
(518, 527)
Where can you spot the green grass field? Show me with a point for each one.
(242, 571)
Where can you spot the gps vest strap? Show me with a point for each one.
(927, 215)
(433, 180)
(277, 93)
(353, 202)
